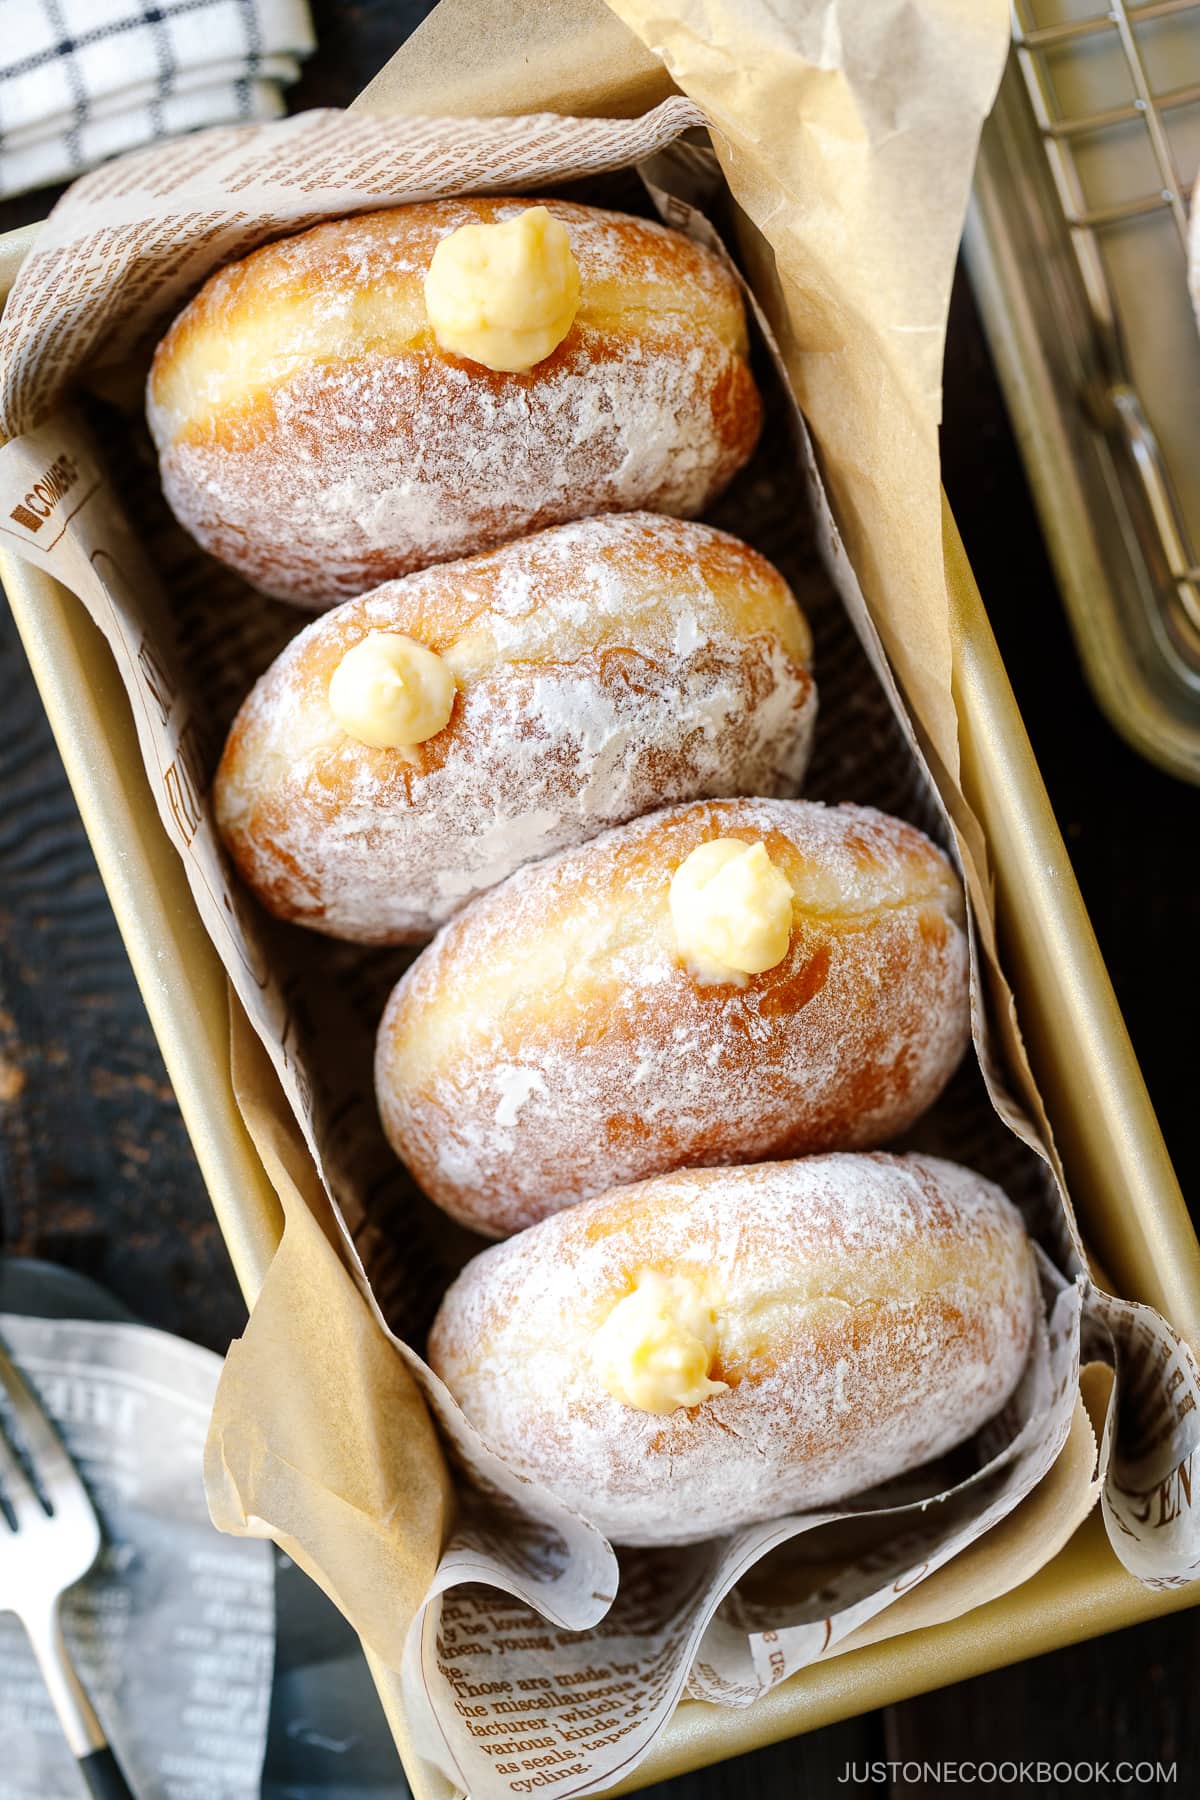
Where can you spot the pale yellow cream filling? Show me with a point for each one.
(391, 692)
(504, 295)
(655, 1348)
(732, 910)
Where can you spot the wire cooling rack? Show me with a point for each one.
(1118, 130)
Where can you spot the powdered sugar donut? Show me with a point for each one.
(313, 432)
(596, 670)
(698, 1352)
(571, 1030)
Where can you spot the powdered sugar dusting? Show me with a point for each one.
(871, 1313)
(516, 1086)
(580, 703)
(569, 970)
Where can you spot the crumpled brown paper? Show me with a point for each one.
(847, 135)
(561, 56)
(350, 1462)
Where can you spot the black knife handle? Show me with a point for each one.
(102, 1772)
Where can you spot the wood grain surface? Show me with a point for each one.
(96, 1171)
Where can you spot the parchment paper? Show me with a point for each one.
(320, 1435)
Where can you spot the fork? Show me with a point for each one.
(46, 1545)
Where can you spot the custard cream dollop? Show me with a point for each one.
(655, 1348)
(391, 692)
(731, 909)
(504, 295)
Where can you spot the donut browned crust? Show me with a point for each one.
(313, 434)
(603, 667)
(871, 1312)
(552, 1043)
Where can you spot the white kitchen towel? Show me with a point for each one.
(83, 80)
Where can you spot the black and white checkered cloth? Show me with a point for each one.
(82, 80)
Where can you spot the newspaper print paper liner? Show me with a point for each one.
(667, 1617)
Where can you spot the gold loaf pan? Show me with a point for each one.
(1128, 1201)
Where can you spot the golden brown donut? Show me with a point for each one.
(602, 668)
(312, 432)
(853, 1316)
(553, 1041)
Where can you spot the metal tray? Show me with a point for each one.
(1076, 246)
(1129, 1203)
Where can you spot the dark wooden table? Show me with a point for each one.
(96, 1171)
